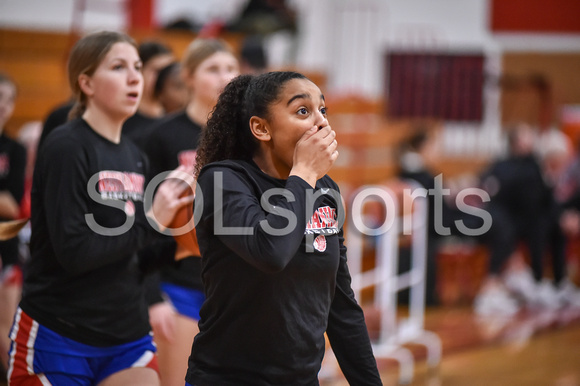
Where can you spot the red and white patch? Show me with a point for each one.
(320, 243)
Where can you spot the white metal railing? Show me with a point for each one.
(394, 330)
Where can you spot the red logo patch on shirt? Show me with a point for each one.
(320, 243)
(115, 185)
(323, 221)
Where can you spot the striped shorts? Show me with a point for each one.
(40, 356)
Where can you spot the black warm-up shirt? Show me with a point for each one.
(517, 186)
(173, 142)
(275, 280)
(83, 279)
(138, 128)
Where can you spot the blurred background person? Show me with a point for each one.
(522, 209)
(28, 136)
(253, 56)
(55, 118)
(207, 66)
(155, 56)
(12, 174)
(414, 156)
(276, 23)
(264, 17)
(170, 89)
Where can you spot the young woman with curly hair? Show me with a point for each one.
(270, 233)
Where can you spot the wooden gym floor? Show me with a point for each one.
(533, 348)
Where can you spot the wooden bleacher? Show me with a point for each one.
(37, 62)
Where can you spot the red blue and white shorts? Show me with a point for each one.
(40, 356)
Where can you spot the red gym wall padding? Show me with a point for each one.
(542, 16)
(140, 14)
(435, 85)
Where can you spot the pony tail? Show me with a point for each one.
(227, 134)
(76, 111)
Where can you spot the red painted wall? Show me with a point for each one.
(544, 16)
(140, 14)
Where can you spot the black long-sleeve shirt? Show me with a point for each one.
(81, 281)
(271, 298)
(517, 186)
(138, 128)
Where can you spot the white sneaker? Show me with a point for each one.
(521, 284)
(495, 301)
(568, 294)
(547, 296)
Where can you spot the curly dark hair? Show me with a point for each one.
(228, 135)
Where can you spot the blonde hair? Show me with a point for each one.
(86, 55)
(200, 49)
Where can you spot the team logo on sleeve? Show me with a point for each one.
(323, 222)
